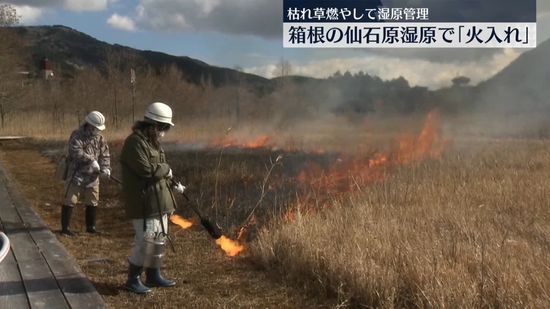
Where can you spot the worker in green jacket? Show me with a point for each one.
(147, 184)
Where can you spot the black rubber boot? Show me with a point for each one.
(66, 212)
(134, 284)
(154, 279)
(90, 219)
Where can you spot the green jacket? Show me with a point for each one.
(145, 185)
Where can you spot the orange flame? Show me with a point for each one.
(242, 233)
(182, 222)
(347, 174)
(261, 141)
(289, 215)
(231, 247)
(428, 144)
(378, 160)
(258, 142)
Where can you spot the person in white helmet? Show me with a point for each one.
(87, 158)
(147, 182)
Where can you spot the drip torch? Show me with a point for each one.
(212, 228)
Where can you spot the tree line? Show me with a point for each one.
(63, 101)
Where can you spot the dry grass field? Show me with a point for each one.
(206, 277)
(467, 230)
(377, 220)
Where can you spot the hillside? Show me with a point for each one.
(521, 86)
(72, 50)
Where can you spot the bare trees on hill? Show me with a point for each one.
(10, 73)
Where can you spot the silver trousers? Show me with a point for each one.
(152, 226)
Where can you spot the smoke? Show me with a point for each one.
(515, 102)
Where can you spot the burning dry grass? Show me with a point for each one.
(470, 230)
(461, 231)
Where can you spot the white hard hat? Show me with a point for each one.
(96, 119)
(159, 112)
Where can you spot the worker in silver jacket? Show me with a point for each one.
(87, 158)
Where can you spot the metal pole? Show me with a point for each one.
(133, 83)
(133, 102)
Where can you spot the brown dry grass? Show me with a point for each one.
(206, 278)
(330, 134)
(470, 230)
(39, 125)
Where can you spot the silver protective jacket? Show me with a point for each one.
(83, 148)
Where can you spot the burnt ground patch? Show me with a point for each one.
(206, 277)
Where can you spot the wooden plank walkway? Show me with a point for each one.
(37, 272)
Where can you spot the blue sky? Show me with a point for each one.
(248, 34)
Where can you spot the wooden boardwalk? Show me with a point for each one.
(37, 272)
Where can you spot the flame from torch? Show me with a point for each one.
(181, 221)
(231, 247)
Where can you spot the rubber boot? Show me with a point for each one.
(134, 284)
(90, 219)
(155, 279)
(66, 212)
